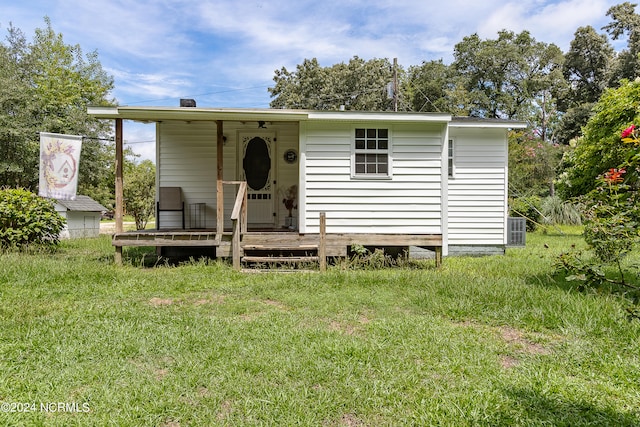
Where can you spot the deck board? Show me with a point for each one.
(336, 244)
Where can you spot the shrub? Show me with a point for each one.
(526, 207)
(557, 211)
(27, 219)
(365, 258)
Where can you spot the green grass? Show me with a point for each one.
(495, 341)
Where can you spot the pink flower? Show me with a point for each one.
(628, 131)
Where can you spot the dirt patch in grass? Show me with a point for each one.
(346, 420)
(160, 302)
(160, 373)
(226, 407)
(517, 339)
(276, 304)
(344, 328)
(349, 328)
(214, 299)
(508, 362)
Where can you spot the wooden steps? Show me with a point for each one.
(279, 257)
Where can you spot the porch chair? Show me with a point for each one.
(169, 199)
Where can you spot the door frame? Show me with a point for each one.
(270, 137)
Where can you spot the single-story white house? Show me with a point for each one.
(379, 178)
(83, 217)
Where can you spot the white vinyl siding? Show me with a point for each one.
(409, 202)
(187, 159)
(477, 194)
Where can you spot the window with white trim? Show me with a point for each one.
(371, 154)
(450, 158)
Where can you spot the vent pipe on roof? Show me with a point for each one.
(188, 103)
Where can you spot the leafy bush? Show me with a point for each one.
(27, 219)
(611, 227)
(557, 211)
(526, 207)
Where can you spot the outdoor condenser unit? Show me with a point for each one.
(516, 232)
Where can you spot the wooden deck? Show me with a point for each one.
(336, 245)
(268, 244)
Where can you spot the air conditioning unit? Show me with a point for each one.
(516, 232)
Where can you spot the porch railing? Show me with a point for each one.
(238, 220)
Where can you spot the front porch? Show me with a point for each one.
(235, 174)
(325, 245)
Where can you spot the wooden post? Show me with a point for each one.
(322, 247)
(243, 226)
(239, 209)
(119, 213)
(438, 256)
(235, 244)
(220, 174)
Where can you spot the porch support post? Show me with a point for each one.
(438, 256)
(322, 247)
(219, 187)
(119, 210)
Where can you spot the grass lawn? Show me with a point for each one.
(495, 341)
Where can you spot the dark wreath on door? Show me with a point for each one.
(257, 170)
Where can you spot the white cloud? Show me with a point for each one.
(551, 22)
(147, 86)
(160, 50)
(141, 138)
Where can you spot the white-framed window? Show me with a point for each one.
(451, 157)
(371, 149)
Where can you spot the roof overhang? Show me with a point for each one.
(157, 114)
(388, 116)
(473, 122)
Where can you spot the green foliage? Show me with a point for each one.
(431, 87)
(508, 77)
(573, 120)
(527, 207)
(586, 67)
(27, 219)
(612, 222)
(612, 225)
(625, 21)
(46, 86)
(139, 191)
(560, 212)
(532, 164)
(600, 149)
(357, 85)
(363, 258)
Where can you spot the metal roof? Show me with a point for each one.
(154, 114)
(158, 114)
(476, 122)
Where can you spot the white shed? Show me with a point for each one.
(82, 215)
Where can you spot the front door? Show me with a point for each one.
(257, 167)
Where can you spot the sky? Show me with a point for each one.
(223, 53)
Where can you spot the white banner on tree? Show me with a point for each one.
(59, 161)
